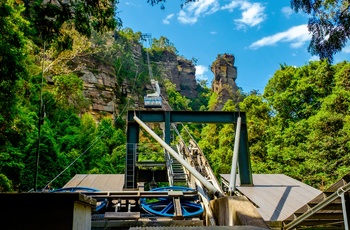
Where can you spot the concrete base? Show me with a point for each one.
(236, 210)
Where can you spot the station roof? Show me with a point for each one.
(103, 182)
(276, 196)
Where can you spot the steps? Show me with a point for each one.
(179, 175)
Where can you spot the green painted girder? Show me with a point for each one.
(244, 165)
(187, 116)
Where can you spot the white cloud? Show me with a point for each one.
(192, 11)
(166, 20)
(297, 36)
(132, 4)
(201, 71)
(252, 15)
(231, 6)
(213, 32)
(314, 58)
(286, 11)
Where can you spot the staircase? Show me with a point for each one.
(179, 175)
(176, 173)
(130, 166)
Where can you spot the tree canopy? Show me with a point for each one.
(329, 24)
(48, 17)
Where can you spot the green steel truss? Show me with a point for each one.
(168, 117)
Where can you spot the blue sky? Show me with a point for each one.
(260, 34)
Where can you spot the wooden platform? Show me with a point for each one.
(276, 196)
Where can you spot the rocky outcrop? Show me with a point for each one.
(104, 92)
(180, 71)
(225, 75)
(99, 85)
(186, 78)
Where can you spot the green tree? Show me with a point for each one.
(296, 93)
(5, 184)
(68, 91)
(155, 2)
(201, 102)
(329, 23)
(48, 17)
(13, 55)
(162, 44)
(258, 122)
(51, 162)
(176, 101)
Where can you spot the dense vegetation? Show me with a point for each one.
(31, 47)
(299, 126)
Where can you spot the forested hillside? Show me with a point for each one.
(299, 126)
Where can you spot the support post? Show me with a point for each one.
(232, 186)
(245, 170)
(167, 127)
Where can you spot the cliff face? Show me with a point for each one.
(99, 85)
(180, 71)
(105, 94)
(224, 82)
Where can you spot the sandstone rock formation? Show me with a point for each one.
(99, 86)
(225, 75)
(105, 94)
(180, 71)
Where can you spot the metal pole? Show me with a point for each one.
(39, 122)
(232, 186)
(194, 172)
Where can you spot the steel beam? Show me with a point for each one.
(187, 116)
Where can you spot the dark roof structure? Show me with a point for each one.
(325, 210)
(103, 182)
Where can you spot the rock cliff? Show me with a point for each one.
(99, 85)
(105, 94)
(180, 71)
